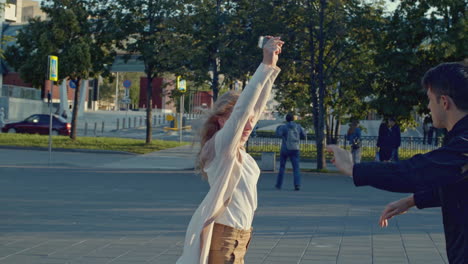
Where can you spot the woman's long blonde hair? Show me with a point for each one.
(222, 108)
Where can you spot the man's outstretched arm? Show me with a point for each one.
(421, 172)
(423, 199)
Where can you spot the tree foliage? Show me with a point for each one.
(342, 59)
(68, 34)
(418, 35)
(147, 28)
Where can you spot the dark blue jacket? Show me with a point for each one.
(282, 131)
(437, 178)
(355, 134)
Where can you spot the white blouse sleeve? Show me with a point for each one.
(252, 101)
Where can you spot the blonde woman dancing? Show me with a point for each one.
(220, 229)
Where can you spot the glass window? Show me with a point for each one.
(33, 119)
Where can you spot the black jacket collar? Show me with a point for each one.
(460, 128)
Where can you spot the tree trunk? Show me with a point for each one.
(149, 105)
(74, 120)
(337, 129)
(313, 84)
(215, 54)
(321, 162)
(215, 80)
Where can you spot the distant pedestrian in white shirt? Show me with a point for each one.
(221, 227)
(2, 117)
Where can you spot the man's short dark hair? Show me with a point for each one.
(449, 79)
(289, 117)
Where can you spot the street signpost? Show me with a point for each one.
(52, 75)
(127, 84)
(72, 84)
(181, 86)
(126, 100)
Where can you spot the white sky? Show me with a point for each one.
(390, 6)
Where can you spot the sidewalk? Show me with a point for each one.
(179, 158)
(183, 158)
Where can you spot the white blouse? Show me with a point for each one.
(232, 179)
(240, 211)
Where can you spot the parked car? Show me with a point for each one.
(39, 124)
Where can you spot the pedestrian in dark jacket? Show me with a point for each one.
(389, 140)
(437, 178)
(290, 134)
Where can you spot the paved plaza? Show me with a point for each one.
(90, 210)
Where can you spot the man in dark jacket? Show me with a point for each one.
(437, 178)
(389, 140)
(290, 134)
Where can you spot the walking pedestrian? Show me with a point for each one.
(354, 138)
(426, 125)
(290, 134)
(2, 117)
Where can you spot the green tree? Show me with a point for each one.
(68, 34)
(416, 37)
(327, 45)
(147, 28)
(106, 91)
(223, 43)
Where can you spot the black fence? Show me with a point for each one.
(409, 147)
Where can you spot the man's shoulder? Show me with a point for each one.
(458, 143)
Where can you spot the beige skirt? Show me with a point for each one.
(228, 245)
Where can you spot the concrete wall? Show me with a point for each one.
(18, 109)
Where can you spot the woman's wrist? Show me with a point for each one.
(268, 62)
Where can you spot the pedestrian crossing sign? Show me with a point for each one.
(53, 68)
(181, 84)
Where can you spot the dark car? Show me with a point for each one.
(39, 124)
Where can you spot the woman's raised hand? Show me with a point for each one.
(271, 50)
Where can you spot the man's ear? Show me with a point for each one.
(447, 102)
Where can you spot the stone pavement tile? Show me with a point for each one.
(281, 260)
(90, 260)
(254, 257)
(325, 256)
(82, 248)
(29, 259)
(51, 247)
(321, 261)
(354, 258)
(167, 258)
(20, 246)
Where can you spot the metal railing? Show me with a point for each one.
(409, 147)
(21, 92)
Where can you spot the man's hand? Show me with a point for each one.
(271, 50)
(395, 208)
(343, 159)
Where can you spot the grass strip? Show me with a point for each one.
(136, 146)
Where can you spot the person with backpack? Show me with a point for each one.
(354, 138)
(290, 133)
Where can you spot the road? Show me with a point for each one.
(88, 210)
